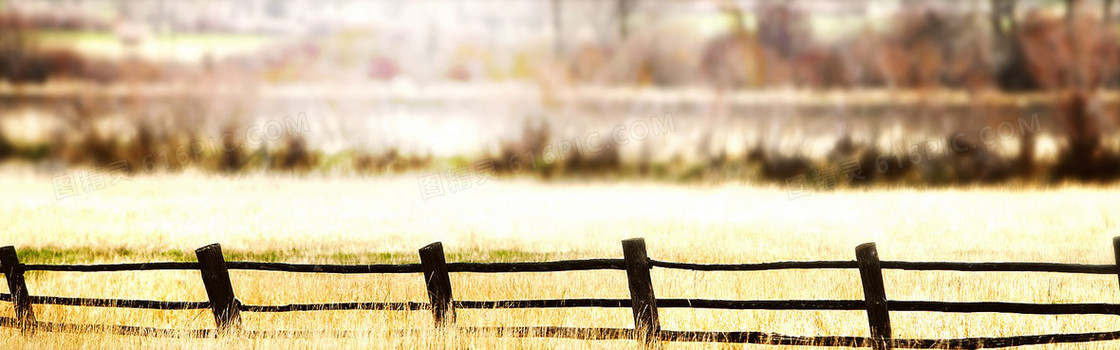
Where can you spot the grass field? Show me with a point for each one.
(378, 220)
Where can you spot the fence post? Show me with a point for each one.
(878, 316)
(215, 277)
(1116, 252)
(643, 303)
(438, 282)
(13, 272)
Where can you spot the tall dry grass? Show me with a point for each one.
(301, 219)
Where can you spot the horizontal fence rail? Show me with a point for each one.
(115, 267)
(227, 308)
(596, 334)
(782, 265)
(407, 306)
(896, 305)
(120, 303)
(900, 265)
(1002, 267)
(323, 268)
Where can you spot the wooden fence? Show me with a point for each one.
(227, 308)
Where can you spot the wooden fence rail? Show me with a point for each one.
(227, 309)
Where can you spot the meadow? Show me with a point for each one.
(340, 219)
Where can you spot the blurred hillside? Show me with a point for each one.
(826, 92)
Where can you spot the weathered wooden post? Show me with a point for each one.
(1116, 252)
(438, 282)
(17, 286)
(219, 289)
(878, 315)
(644, 304)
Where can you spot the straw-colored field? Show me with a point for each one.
(379, 220)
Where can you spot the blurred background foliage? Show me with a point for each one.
(832, 92)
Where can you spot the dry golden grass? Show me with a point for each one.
(355, 220)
